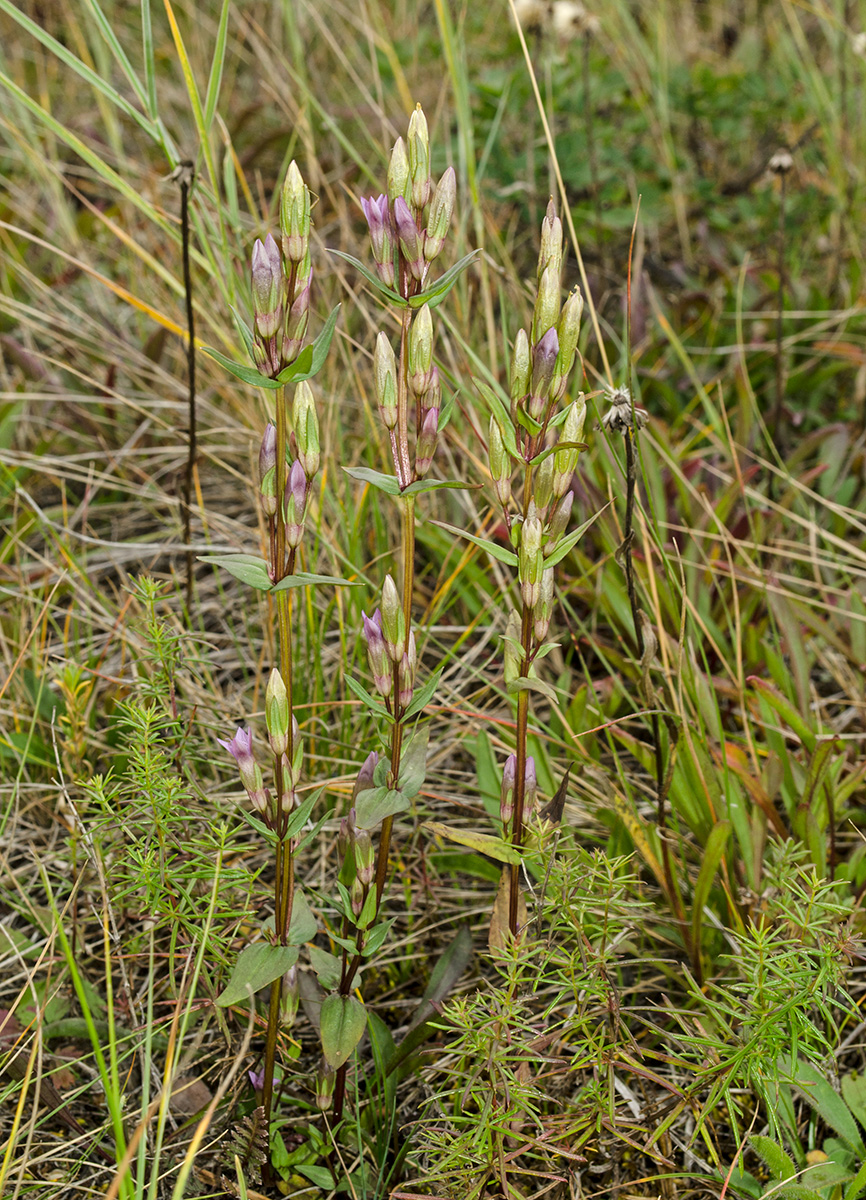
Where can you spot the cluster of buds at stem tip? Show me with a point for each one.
(240, 748)
(396, 220)
(281, 278)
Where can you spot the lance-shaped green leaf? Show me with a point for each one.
(303, 926)
(569, 542)
(244, 330)
(786, 711)
(389, 484)
(374, 281)
(500, 553)
(434, 485)
(523, 684)
(301, 814)
(248, 568)
(539, 458)
(246, 374)
(484, 843)
(503, 417)
(434, 293)
(343, 1022)
(714, 849)
(424, 695)
(366, 699)
(312, 358)
(374, 805)
(257, 966)
(302, 579)
(374, 937)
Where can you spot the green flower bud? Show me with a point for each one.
(385, 375)
(419, 158)
(569, 331)
(325, 1082)
(277, 713)
(306, 423)
(544, 608)
(513, 651)
(399, 180)
(543, 485)
(421, 350)
(565, 461)
(521, 367)
(393, 621)
(365, 863)
(547, 303)
(550, 253)
(291, 997)
(439, 217)
(295, 215)
(529, 557)
(500, 463)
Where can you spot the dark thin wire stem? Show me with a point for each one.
(185, 179)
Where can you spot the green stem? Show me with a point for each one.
(520, 769)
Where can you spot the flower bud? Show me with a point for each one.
(558, 523)
(550, 253)
(288, 797)
(546, 312)
(529, 557)
(380, 664)
(295, 215)
(544, 608)
(542, 487)
(421, 350)
(506, 793)
(267, 285)
(439, 217)
(406, 673)
(268, 471)
(365, 865)
(543, 364)
(513, 649)
(291, 996)
(385, 376)
(343, 840)
(565, 461)
(419, 158)
(295, 504)
(240, 748)
(568, 330)
(358, 893)
(364, 780)
(325, 1082)
(411, 246)
(399, 182)
(521, 368)
(306, 423)
(378, 216)
(393, 621)
(530, 788)
(297, 320)
(500, 463)
(425, 447)
(277, 713)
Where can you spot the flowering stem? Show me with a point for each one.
(520, 770)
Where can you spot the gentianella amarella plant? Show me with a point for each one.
(288, 461)
(408, 228)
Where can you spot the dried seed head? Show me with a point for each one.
(618, 418)
(781, 162)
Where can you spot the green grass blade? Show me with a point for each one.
(216, 70)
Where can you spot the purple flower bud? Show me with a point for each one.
(411, 245)
(543, 364)
(297, 319)
(257, 1078)
(268, 471)
(530, 788)
(295, 504)
(378, 216)
(380, 663)
(364, 857)
(358, 895)
(364, 781)
(267, 284)
(240, 748)
(406, 672)
(506, 792)
(425, 447)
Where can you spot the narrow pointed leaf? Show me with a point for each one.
(373, 280)
(364, 696)
(568, 543)
(302, 579)
(424, 695)
(312, 358)
(484, 843)
(434, 293)
(500, 553)
(503, 417)
(389, 484)
(246, 374)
